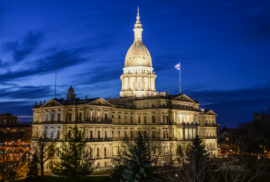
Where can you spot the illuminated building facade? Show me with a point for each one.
(175, 119)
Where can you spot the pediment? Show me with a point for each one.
(210, 112)
(184, 98)
(100, 101)
(51, 103)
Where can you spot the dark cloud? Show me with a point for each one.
(20, 49)
(26, 92)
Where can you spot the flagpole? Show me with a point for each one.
(180, 77)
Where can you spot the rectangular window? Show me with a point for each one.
(52, 117)
(153, 105)
(139, 119)
(131, 134)
(131, 119)
(153, 119)
(139, 106)
(119, 134)
(91, 152)
(98, 134)
(153, 134)
(112, 118)
(125, 133)
(91, 134)
(144, 119)
(69, 116)
(163, 134)
(105, 164)
(112, 133)
(99, 117)
(80, 117)
(59, 117)
(106, 116)
(105, 152)
(91, 116)
(58, 134)
(105, 134)
(125, 118)
(119, 118)
(97, 152)
(144, 105)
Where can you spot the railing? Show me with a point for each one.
(94, 121)
(209, 125)
(98, 139)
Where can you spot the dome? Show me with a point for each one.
(138, 55)
(71, 90)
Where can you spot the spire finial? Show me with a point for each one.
(138, 22)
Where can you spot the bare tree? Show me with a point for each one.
(11, 158)
(43, 144)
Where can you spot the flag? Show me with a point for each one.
(177, 66)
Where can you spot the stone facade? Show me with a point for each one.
(177, 119)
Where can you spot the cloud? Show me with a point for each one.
(20, 49)
(25, 92)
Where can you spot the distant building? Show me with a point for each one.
(7, 118)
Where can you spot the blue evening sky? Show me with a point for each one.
(223, 47)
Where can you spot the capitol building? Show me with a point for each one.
(106, 123)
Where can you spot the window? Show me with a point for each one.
(98, 153)
(112, 133)
(143, 57)
(105, 134)
(139, 106)
(99, 116)
(125, 133)
(153, 105)
(119, 118)
(144, 119)
(58, 134)
(91, 116)
(98, 133)
(164, 118)
(105, 152)
(91, 134)
(125, 118)
(46, 118)
(59, 116)
(106, 116)
(91, 152)
(69, 116)
(153, 134)
(112, 118)
(105, 164)
(163, 134)
(131, 119)
(133, 57)
(144, 105)
(52, 117)
(153, 119)
(139, 119)
(119, 134)
(145, 134)
(80, 116)
(131, 134)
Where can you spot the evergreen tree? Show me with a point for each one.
(197, 164)
(32, 174)
(137, 163)
(76, 163)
